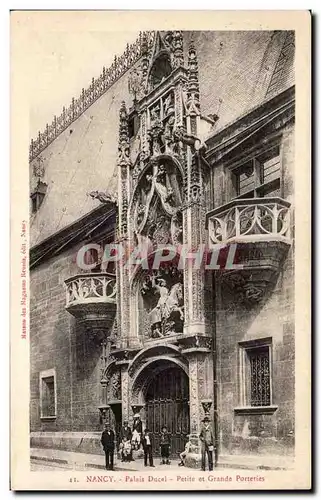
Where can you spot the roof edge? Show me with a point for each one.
(73, 233)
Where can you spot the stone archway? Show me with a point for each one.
(162, 386)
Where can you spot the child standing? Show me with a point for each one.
(165, 445)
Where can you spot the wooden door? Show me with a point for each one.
(167, 400)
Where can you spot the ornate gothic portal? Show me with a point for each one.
(163, 193)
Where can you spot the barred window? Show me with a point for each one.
(48, 404)
(259, 360)
(256, 373)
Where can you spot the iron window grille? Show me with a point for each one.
(256, 373)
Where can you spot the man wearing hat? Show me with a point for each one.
(108, 443)
(207, 440)
(147, 442)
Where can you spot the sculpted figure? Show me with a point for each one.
(169, 304)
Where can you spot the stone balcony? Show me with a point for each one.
(260, 229)
(91, 299)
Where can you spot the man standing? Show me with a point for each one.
(148, 448)
(207, 439)
(108, 442)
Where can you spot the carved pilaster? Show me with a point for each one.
(200, 391)
(145, 52)
(124, 165)
(194, 238)
(194, 405)
(177, 44)
(179, 108)
(194, 213)
(193, 92)
(143, 139)
(125, 392)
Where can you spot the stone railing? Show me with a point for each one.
(88, 96)
(254, 219)
(90, 288)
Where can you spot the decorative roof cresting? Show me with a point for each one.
(88, 96)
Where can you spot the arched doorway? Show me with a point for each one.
(167, 403)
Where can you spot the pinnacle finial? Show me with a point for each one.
(123, 147)
(193, 82)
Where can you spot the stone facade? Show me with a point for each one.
(201, 127)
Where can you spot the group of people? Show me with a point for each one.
(132, 439)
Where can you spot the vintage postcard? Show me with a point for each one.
(160, 294)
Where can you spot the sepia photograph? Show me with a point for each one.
(157, 255)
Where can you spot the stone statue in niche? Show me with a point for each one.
(155, 119)
(169, 123)
(155, 133)
(164, 190)
(167, 316)
(169, 105)
(114, 386)
(169, 135)
(158, 201)
(161, 136)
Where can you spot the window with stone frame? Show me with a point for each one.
(48, 398)
(256, 382)
(259, 175)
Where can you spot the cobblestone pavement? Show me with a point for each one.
(38, 465)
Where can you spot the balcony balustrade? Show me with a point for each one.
(91, 298)
(260, 227)
(250, 220)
